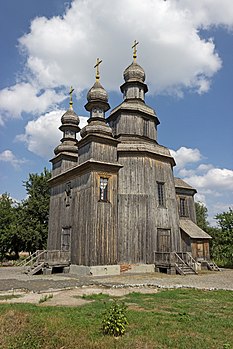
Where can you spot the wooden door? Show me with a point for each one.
(164, 240)
(65, 239)
(200, 250)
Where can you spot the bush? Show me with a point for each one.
(114, 322)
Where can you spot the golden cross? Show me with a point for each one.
(135, 50)
(71, 100)
(97, 76)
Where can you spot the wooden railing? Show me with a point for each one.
(50, 257)
(30, 260)
(174, 257)
(163, 257)
(182, 261)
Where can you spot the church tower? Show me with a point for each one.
(147, 214)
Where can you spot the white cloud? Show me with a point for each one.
(8, 156)
(43, 135)
(25, 97)
(214, 185)
(184, 156)
(215, 178)
(205, 13)
(167, 32)
(61, 51)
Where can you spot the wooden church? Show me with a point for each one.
(114, 198)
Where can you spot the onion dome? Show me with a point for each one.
(97, 97)
(134, 72)
(69, 127)
(97, 93)
(70, 118)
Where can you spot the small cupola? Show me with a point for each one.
(97, 105)
(69, 127)
(97, 97)
(134, 87)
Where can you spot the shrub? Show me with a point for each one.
(114, 322)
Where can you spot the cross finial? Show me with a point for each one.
(97, 76)
(135, 50)
(71, 100)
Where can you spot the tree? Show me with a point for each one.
(201, 215)
(222, 243)
(35, 211)
(10, 239)
(6, 217)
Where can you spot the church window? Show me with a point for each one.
(146, 128)
(68, 193)
(161, 194)
(183, 207)
(103, 189)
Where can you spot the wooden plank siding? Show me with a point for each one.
(139, 215)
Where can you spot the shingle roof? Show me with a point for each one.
(192, 230)
(179, 183)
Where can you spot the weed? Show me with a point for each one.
(115, 321)
(45, 298)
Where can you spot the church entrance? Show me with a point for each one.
(66, 239)
(164, 240)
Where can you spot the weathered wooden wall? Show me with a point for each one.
(139, 214)
(200, 249)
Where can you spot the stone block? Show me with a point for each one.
(47, 271)
(100, 270)
(80, 270)
(141, 268)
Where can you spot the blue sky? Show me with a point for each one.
(186, 49)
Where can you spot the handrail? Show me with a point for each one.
(192, 261)
(26, 260)
(32, 258)
(179, 259)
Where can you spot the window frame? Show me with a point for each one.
(161, 194)
(183, 207)
(105, 190)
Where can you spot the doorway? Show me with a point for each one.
(164, 240)
(66, 239)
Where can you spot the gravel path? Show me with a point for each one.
(67, 289)
(12, 278)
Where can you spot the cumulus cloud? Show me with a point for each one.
(60, 51)
(168, 32)
(214, 185)
(184, 156)
(215, 178)
(25, 97)
(205, 13)
(42, 135)
(7, 156)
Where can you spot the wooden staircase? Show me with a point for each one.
(34, 263)
(211, 265)
(42, 259)
(184, 267)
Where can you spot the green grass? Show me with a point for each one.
(5, 297)
(165, 320)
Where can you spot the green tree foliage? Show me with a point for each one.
(222, 242)
(11, 241)
(35, 211)
(6, 218)
(24, 226)
(201, 215)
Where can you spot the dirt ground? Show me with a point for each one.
(67, 289)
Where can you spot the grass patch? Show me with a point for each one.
(6, 297)
(179, 318)
(96, 297)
